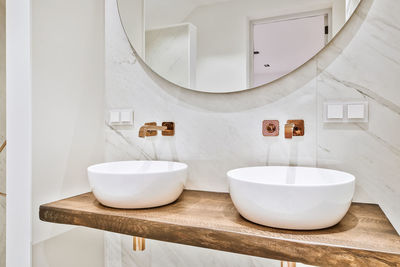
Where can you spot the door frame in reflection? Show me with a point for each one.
(294, 16)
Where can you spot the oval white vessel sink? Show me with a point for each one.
(297, 198)
(137, 184)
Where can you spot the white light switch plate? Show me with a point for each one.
(114, 117)
(121, 117)
(335, 111)
(127, 116)
(355, 111)
(345, 112)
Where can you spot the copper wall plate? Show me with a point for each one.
(270, 128)
(298, 129)
(170, 128)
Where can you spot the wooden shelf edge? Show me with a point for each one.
(220, 239)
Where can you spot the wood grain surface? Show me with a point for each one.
(365, 237)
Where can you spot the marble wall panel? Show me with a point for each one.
(216, 133)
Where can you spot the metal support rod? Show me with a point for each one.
(139, 243)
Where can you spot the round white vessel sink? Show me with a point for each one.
(137, 184)
(297, 198)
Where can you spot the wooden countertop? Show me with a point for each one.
(364, 237)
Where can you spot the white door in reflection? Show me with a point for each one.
(282, 45)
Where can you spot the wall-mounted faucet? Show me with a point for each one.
(151, 128)
(294, 128)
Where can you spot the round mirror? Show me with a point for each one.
(221, 46)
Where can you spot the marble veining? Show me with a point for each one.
(365, 92)
(174, 63)
(218, 132)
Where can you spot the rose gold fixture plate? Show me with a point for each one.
(270, 128)
(170, 131)
(294, 128)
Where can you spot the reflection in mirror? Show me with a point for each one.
(230, 45)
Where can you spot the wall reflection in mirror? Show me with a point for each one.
(230, 45)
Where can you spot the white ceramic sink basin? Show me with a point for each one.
(137, 184)
(296, 198)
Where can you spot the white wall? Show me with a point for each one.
(216, 133)
(222, 63)
(67, 131)
(223, 37)
(351, 5)
(133, 13)
(169, 12)
(289, 50)
(2, 93)
(171, 52)
(81, 247)
(19, 133)
(339, 13)
(2, 132)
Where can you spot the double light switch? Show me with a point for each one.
(346, 112)
(121, 117)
